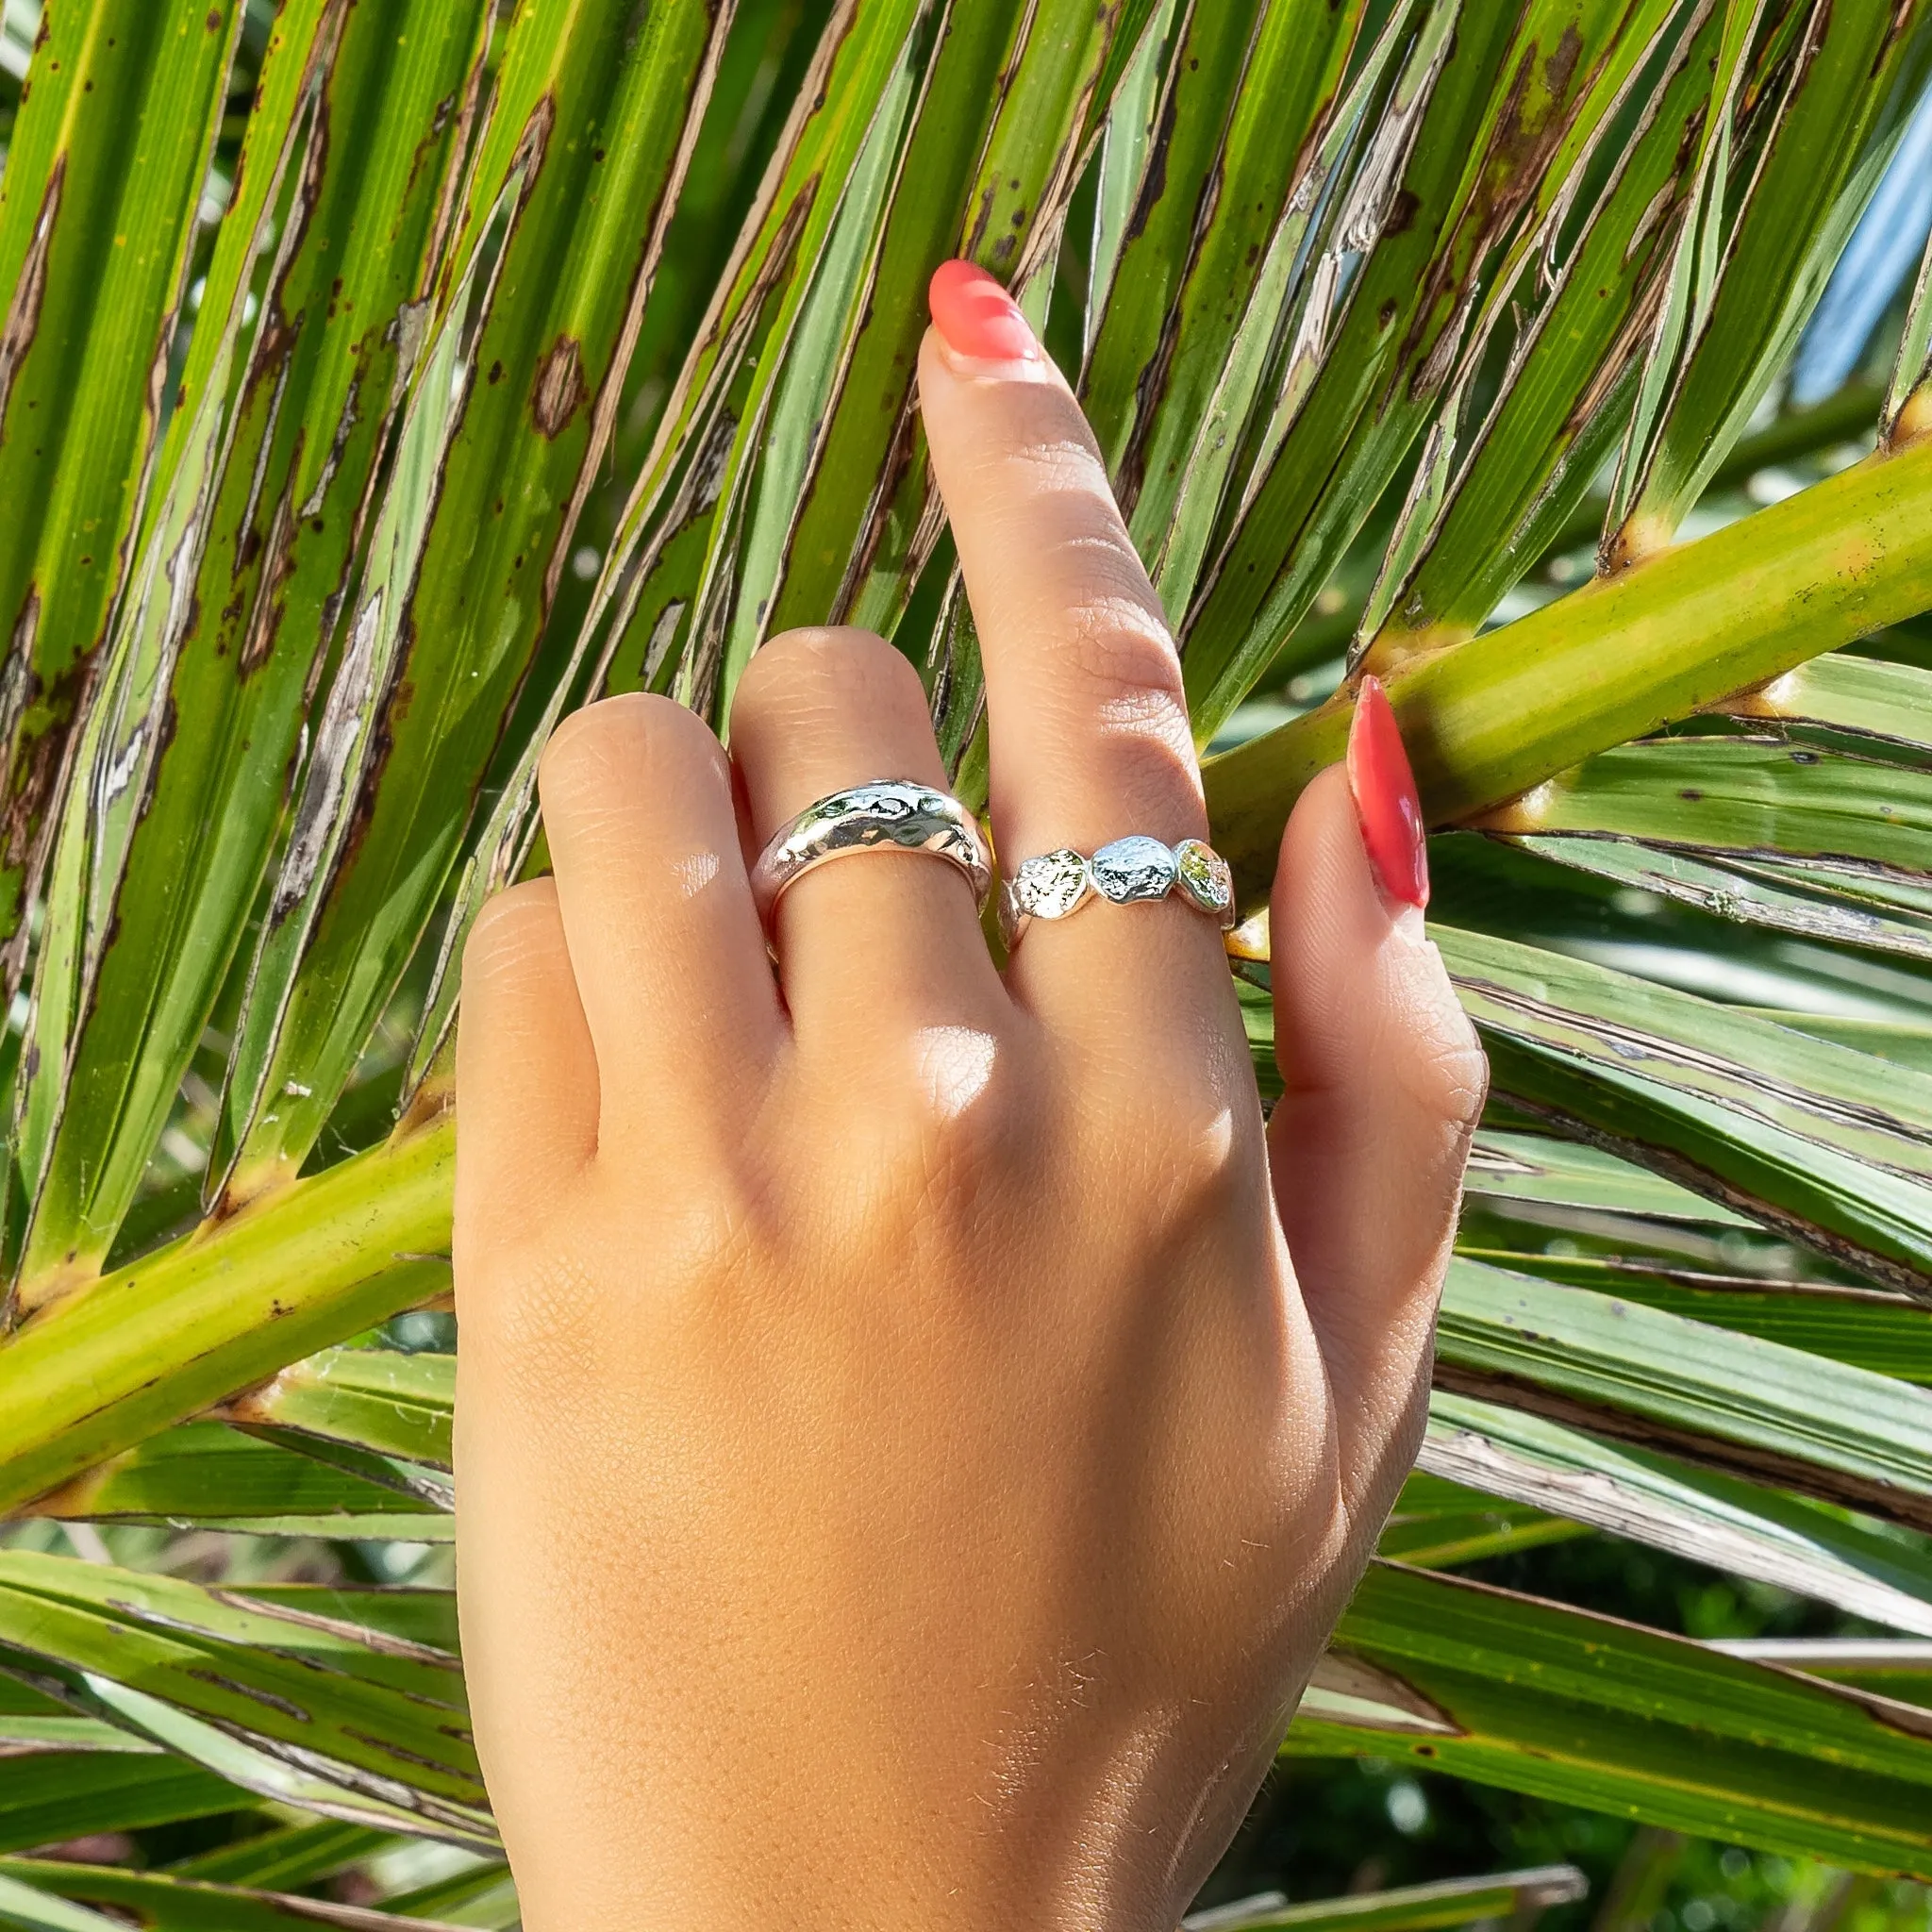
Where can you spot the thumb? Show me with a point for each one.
(1383, 1083)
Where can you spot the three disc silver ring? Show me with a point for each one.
(900, 815)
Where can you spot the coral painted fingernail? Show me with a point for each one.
(977, 317)
(1386, 801)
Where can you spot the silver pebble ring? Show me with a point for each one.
(1057, 884)
(885, 815)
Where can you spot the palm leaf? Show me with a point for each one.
(111, 144)
(64, 1777)
(511, 417)
(1864, 1327)
(1410, 1909)
(1670, 1503)
(383, 1724)
(34, 1893)
(1364, 300)
(198, 713)
(1536, 1697)
(283, 1857)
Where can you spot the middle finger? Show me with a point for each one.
(1087, 717)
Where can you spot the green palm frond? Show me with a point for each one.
(45, 1895)
(1532, 1695)
(378, 384)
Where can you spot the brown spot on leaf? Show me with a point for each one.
(41, 754)
(1153, 172)
(1560, 68)
(259, 642)
(430, 145)
(560, 388)
(22, 318)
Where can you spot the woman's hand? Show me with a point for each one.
(917, 1426)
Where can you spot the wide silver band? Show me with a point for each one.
(1056, 884)
(886, 813)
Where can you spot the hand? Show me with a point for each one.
(916, 1426)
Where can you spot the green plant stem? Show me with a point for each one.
(1626, 654)
(223, 1309)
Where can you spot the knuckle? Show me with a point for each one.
(1443, 1069)
(713, 1202)
(1112, 640)
(945, 1151)
(1450, 1075)
(1116, 666)
(1040, 461)
(820, 662)
(515, 927)
(614, 738)
(962, 1150)
(1187, 1149)
(938, 1144)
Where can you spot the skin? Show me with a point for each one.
(917, 1425)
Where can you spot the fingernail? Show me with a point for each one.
(977, 317)
(1386, 801)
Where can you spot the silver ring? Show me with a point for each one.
(886, 814)
(1056, 884)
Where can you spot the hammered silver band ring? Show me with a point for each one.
(1056, 884)
(888, 814)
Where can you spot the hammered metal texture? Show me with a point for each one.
(1205, 878)
(1053, 885)
(887, 812)
(1135, 869)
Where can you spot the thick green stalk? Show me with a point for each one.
(172, 1333)
(1487, 720)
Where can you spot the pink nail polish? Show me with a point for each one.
(1386, 801)
(977, 317)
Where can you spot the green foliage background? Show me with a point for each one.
(378, 382)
